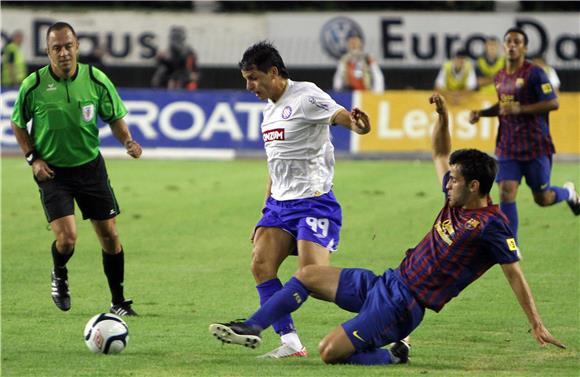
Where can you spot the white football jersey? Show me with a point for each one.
(296, 133)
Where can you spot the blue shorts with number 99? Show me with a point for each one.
(317, 219)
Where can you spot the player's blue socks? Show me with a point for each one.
(378, 356)
(511, 211)
(266, 290)
(281, 304)
(561, 194)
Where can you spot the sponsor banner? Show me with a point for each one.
(137, 37)
(395, 39)
(421, 39)
(174, 121)
(403, 120)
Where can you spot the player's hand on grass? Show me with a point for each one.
(543, 336)
(133, 148)
(359, 121)
(41, 171)
(439, 101)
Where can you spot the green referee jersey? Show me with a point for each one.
(64, 113)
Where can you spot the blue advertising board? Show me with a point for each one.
(177, 120)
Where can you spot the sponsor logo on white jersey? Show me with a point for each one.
(272, 135)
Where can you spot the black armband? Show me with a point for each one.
(490, 111)
(31, 157)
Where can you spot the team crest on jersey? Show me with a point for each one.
(88, 112)
(445, 231)
(286, 112)
(519, 82)
(273, 135)
(471, 224)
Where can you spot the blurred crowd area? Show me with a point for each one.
(175, 54)
(327, 6)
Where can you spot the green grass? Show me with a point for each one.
(185, 228)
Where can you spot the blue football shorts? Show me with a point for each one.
(317, 219)
(536, 171)
(387, 311)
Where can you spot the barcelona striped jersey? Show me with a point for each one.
(461, 246)
(524, 136)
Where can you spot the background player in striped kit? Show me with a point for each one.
(469, 236)
(524, 146)
(301, 215)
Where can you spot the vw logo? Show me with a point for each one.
(334, 34)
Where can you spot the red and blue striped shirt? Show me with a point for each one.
(524, 136)
(462, 245)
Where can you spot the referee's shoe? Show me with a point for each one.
(123, 309)
(60, 292)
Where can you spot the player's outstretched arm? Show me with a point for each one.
(121, 132)
(441, 138)
(515, 277)
(356, 120)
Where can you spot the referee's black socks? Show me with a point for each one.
(59, 260)
(114, 266)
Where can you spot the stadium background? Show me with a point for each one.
(410, 41)
(185, 224)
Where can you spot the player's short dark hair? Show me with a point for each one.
(59, 26)
(519, 31)
(263, 56)
(475, 165)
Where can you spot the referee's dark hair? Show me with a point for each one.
(263, 56)
(519, 31)
(59, 26)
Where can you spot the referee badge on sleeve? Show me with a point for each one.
(88, 112)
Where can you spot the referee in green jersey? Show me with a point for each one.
(63, 100)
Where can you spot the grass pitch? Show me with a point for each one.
(185, 228)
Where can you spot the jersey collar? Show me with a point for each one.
(56, 78)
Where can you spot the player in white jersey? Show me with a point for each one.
(301, 216)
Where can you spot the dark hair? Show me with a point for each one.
(519, 31)
(263, 56)
(461, 53)
(475, 165)
(59, 26)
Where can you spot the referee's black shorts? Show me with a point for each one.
(86, 184)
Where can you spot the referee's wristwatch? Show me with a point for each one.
(31, 157)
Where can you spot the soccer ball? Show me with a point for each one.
(106, 333)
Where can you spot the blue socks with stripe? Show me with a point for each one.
(280, 304)
(266, 290)
(511, 211)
